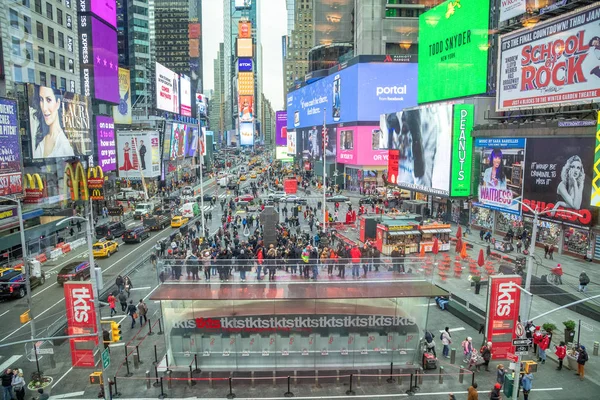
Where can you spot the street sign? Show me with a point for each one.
(521, 350)
(519, 330)
(105, 359)
(521, 342)
(44, 351)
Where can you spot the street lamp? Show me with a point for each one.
(25, 260)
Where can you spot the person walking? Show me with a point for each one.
(527, 384)
(583, 281)
(120, 283)
(132, 312)
(486, 354)
(18, 384)
(112, 302)
(582, 358)
(542, 347)
(495, 393)
(472, 392)
(123, 301)
(446, 341)
(128, 285)
(355, 257)
(500, 374)
(467, 346)
(6, 378)
(142, 311)
(561, 352)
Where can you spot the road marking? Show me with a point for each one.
(130, 223)
(37, 316)
(67, 395)
(10, 362)
(61, 378)
(455, 329)
(141, 288)
(5, 312)
(152, 291)
(38, 292)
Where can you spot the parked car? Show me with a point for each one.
(368, 200)
(136, 235)
(276, 196)
(294, 199)
(337, 198)
(74, 271)
(245, 197)
(12, 282)
(104, 248)
(110, 230)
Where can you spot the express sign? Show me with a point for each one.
(503, 313)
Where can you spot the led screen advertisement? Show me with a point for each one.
(60, 123)
(420, 140)
(246, 108)
(179, 136)
(244, 64)
(311, 143)
(595, 201)
(104, 9)
(246, 134)
(499, 164)
(291, 143)
(99, 66)
(246, 83)
(244, 29)
(186, 96)
(556, 62)
(11, 178)
(281, 153)
(239, 4)
(558, 174)
(360, 92)
(453, 50)
(138, 154)
(244, 47)
(192, 142)
(280, 128)
(122, 112)
(202, 141)
(105, 134)
(462, 150)
(360, 145)
(167, 89)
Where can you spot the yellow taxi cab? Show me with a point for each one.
(104, 248)
(178, 221)
(243, 178)
(253, 176)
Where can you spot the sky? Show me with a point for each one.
(273, 21)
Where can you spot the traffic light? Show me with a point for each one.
(115, 329)
(96, 378)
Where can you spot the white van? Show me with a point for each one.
(189, 210)
(126, 194)
(142, 209)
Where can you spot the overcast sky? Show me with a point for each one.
(273, 21)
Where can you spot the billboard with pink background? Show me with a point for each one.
(281, 128)
(373, 147)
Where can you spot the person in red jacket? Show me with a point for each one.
(355, 257)
(537, 338)
(561, 352)
(543, 346)
(112, 302)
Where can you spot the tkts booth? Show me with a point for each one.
(402, 232)
(283, 326)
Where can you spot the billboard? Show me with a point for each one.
(246, 83)
(244, 29)
(291, 143)
(122, 112)
(99, 64)
(186, 96)
(166, 145)
(360, 145)
(11, 177)
(138, 153)
(244, 64)
(310, 143)
(105, 135)
(179, 136)
(246, 108)
(194, 30)
(202, 141)
(239, 4)
(104, 9)
(60, 123)
(504, 300)
(81, 319)
(423, 138)
(511, 8)
(453, 50)
(499, 162)
(192, 142)
(281, 153)
(246, 134)
(280, 128)
(558, 175)
(462, 150)
(361, 92)
(595, 200)
(167, 89)
(244, 47)
(556, 62)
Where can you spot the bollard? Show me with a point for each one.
(155, 356)
(196, 363)
(410, 391)
(210, 382)
(358, 379)
(162, 394)
(420, 379)
(167, 361)
(461, 374)
(147, 379)
(379, 376)
(110, 393)
(441, 380)
(595, 351)
(155, 384)
(295, 377)
(472, 378)
(337, 377)
(117, 393)
(230, 395)
(150, 333)
(160, 332)
(252, 379)
(137, 350)
(350, 392)
(452, 356)
(416, 387)
(289, 392)
(136, 361)
(400, 380)
(128, 374)
(274, 379)
(317, 378)
(190, 381)
(169, 381)
(391, 378)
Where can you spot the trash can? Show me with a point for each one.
(508, 386)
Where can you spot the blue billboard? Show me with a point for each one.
(359, 93)
(245, 64)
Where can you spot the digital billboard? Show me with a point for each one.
(555, 62)
(246, 83)
(99, 64)
(246, 108)
(558, 175)
(499, 166)
(246, 134)
(512, 8)
(462, 150)
(202, 141)
(244, 64)
(104, 9)
(453, 50)
(281, 153)
(192, 142)
(11, 177)
(244, 29)
(186, 96)
(280, 128)
(122, 112)
(310, 143)
(138, 153)
(291, 143)
(359, 145)
(360, 92)
(105, 135)
(179, 136)
(595, 200)
(239, 4)
(166, 146)
(60, 123)
(244, 47)
(422, 138)
(167, 89)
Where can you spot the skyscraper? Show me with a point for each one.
(299, 42)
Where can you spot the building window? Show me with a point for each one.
(49, 13)
(27, 25)
(43, 78)
(71, 66)
(59, 16)
(14, 19)
(40, 30)
(41, 55)
(18, 73)
(25, 3)
(51, 35)
(53, 81)
(30, 75)
(16, 46)
(61, 63)
(63, 83)
(38, 6)
(52, 58)
(28, 51)
(61, 40)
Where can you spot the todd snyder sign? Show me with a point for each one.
(462, 150)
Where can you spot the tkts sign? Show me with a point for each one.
(81, 319)
(503, 313)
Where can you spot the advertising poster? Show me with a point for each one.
(244, 64)
(558, 175)
(291, 143)
(166, 149)
(81, 318)
(246, 108)
(105, 9)
(281, 153)
(202, 141)
(596, 178)
(503, 313)
(122, 112)
(64, 114)
(453, 50)
(246, 134)
(244, 47)
(167, 89)
(239, 4)
(178, 140)
(186, 96)
(462, 150)
(138, 153)
(359, 145)
(500, 179)
(11, 178)
(423, 138)
(192, 142)
(105, 134)
(246, 83)
(511, 8)
(280, 128)
(569, 73)
(244, 29)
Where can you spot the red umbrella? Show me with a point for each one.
(436, 246)
(459, 232)
(481, 258)
(459, 244)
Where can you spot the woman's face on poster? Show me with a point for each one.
(497, 161)
(576, 169)
(49, 105)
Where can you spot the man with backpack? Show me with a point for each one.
(430, 343)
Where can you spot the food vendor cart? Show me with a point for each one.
(433, 229)
(401, 232)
